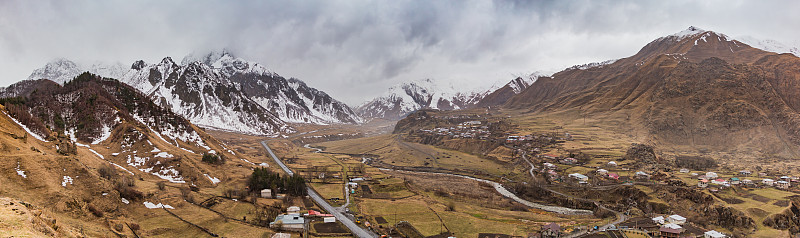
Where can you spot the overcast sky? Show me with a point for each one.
(355, 50)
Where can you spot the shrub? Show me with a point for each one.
(134, 226)
(107, 172)
(451, 206)
(161, 185)
(695, 162)
(94, 210)
(212, 159)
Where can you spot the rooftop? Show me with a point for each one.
(289, 219)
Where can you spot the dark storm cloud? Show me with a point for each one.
(354, 50)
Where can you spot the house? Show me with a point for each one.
(569, 161)
(612, 164)
(549, 166)
(288, 222)
(719, 181)
(747, 182)
(713, 234)
(329, 219)
(734, 181)
(602, 171)
(782, 185)
(266, 193)
(293, 210)
(579, 177)
(658, 219)
(702, 183)
(613, 175)
(670, 231)
(549, 156)
(711, 175)
(551, 230)
(745, 173)
(683, 171)
(642, 175)
(762, 174)
(786, 178)
(768, 182)
(552, 174)
(676, 219)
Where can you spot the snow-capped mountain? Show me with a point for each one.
(405, 98)
(289, 99)
(202, 95)
(220, 91)
(62, 70)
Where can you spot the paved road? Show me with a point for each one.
(355, 229)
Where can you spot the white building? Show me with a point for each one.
(684, 171)
(713, 234)
(768, 182)
(602, 171)
(782, 185)
(676, 219)
(579, 177)
(711, 175)
(266, 193)
(612, 163)
(658, 220)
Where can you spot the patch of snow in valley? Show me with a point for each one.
(214, 180)
(164, 155)
(150, 205)
(106, 134)
(20, 172)
(38, 137)
(155, 150)
(125, 201)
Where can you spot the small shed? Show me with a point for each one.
(266, 193)
(293, 210)
(702, 183)
(329, 219)
(745, 173)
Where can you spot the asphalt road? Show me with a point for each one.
(355, 229)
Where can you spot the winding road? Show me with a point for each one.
(620, 216)
(355, 229)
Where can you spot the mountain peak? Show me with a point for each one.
(167, 61)
(689, 32)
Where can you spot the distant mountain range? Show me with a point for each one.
(220, 91)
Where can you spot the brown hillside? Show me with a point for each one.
(700, 90)
(98, 187)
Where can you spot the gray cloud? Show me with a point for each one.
(354, 50)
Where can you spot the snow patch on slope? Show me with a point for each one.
(769, 45)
